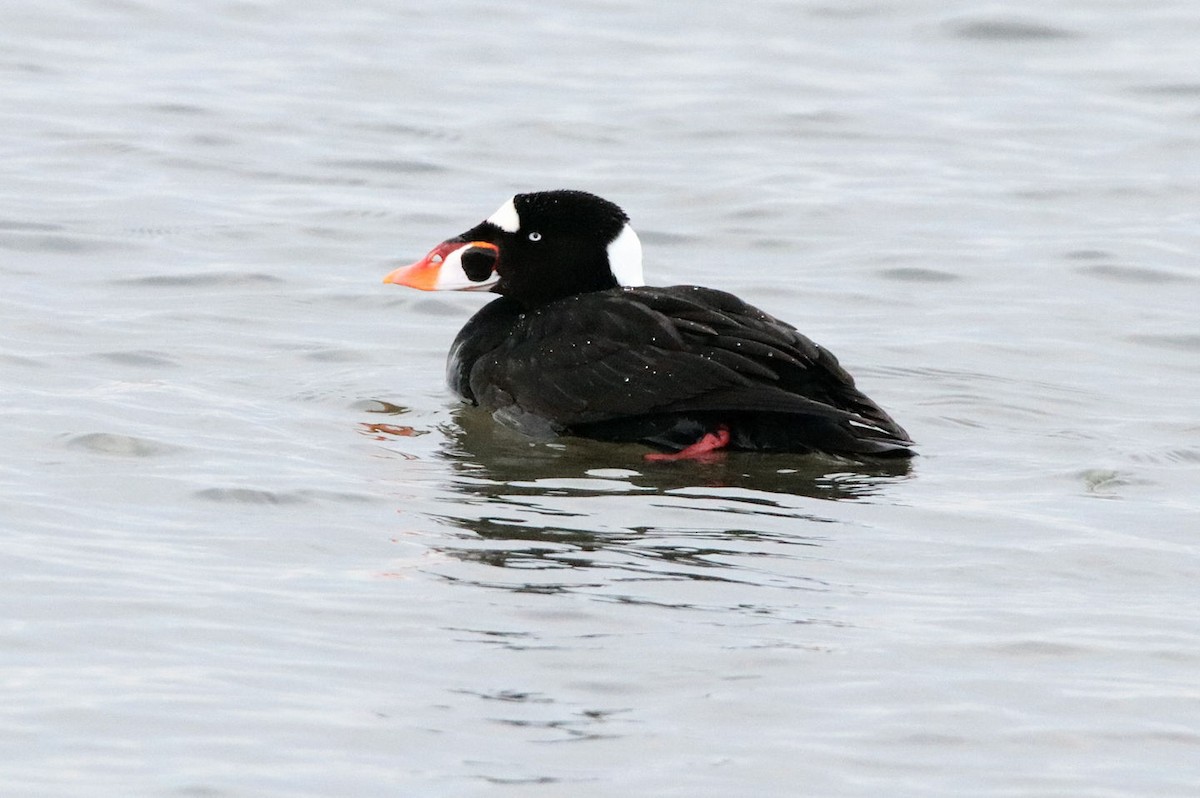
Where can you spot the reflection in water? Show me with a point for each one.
(575, 506)
(480, 448)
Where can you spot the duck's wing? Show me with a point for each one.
(650, 351)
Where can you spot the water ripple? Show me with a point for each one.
(919, 275)
(397, 166)
(1134, 274)
(250, 496)
(1186, 342)
(1009, 30)
(227, 279)
(143, 358)
(121, 445)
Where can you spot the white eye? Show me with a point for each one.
(535, 236)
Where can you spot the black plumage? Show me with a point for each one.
(663, 366)
(566, 349)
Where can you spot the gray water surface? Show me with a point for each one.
(252, 547)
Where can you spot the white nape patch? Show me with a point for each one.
(625, 258)
(506, 217)
(452, 277)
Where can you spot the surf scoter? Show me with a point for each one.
(576, 344)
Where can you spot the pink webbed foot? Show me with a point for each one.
(705, 450)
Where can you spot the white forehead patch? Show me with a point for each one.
(506, 218)
(625, 258)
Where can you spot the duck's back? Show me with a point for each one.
(661, 365)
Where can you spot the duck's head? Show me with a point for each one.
(535, 248)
